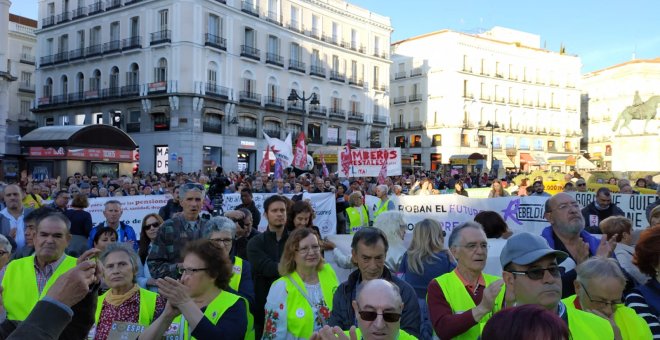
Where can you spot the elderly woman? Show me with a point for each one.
(300, 302)
(222, 234)
(645, 298)
(150, 226)
(394, 228)
(493, 224)
(384, 203)
(358, 215)
(425, 260)
(621, 228)
(5, 251)
(125, 301)
(497, 190)
(209, 311)
(654, 217)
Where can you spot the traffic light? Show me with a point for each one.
(116, 119)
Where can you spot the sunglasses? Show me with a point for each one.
(193, 186)
(153, 225)
(581, 184)
(371, 316)
(538, 273)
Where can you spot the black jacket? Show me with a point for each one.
(169, 209)
(342, 309)
(256, 215)
(593, 216)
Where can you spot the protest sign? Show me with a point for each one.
(369, 162)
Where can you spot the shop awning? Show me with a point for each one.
(83, 136)
(540, 160)
(506, 162)
(526, 158)
(566, 160)
(585, 164)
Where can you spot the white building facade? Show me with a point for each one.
(202, 79)
(447, 87)
(17, 86)
(612, 143)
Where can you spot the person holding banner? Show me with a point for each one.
(358, 214)
(385, 204)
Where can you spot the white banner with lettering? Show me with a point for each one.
(368, 162)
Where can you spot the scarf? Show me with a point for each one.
(117, 300)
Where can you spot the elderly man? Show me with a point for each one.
(12, 217)
(378, 307)
(165, 256)
(599, 287)
(566, 233)
(581, 185)
(112, 212)
(532, 276)
(600, 209)
(461, 301)
(61, 201)
(369, 251)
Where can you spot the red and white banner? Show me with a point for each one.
(344, 160)
(300, 157)
(369, 162)
(383, 172)
(82, 153)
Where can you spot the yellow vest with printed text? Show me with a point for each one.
(235, 280)
(355, 220)
(147, 307)
(20, 291)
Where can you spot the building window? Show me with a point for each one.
(160, 72)
(437, 140)
(163, 19)
(436, 161)
(400, 141)
(465, 139)
(25, 107)
(95, 81)
(416, 141)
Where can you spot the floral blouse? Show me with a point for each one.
(129, 311)
(276, 311)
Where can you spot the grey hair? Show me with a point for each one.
(455, 235)
(382, 187)
(4, 243)
(599, 268)
(118, 248)
(107, 203)
(184, 189)
(221, 223)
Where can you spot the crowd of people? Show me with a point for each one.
(587, 275)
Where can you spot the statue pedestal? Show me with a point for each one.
(636, 152)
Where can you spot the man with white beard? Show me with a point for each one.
(566, 233)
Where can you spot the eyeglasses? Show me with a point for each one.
(600, 303)
(3, 253)
(387, 316)
(474, 246)
(152, 225)
(218, 241)
(538, 273)
(582, 184)
(307, 250)
(191, 271)
(189, 186)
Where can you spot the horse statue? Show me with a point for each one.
(644, 111)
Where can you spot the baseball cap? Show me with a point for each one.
(525, 248)
(84, 185)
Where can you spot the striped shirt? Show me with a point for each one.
(43, 275)
(636, 301)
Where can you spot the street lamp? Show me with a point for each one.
(313, 100)
(492, 145)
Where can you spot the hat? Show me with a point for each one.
(580, 181)
(84, 185)
(526, 248)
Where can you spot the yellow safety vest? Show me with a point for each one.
(21, 292)
(214, 312)
(382, 208)
(300, 317)
(356, 220)
(402, 334)
(460, 301)
(235, 280)
(631, 325)
(146, 313)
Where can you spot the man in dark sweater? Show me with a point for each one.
(264, 251)
(598, 210)
(247, 202)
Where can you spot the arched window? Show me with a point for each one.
(48, 87)
(80, 83)
(65, 85)
(114, 82)
(132, 80)
(160, 71)
(212, 73)
(95, 81)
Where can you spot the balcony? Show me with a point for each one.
(399, 126)
(319, 111)
(48, 21)
(130, 90)
(337, 113)
(112, 4)
(161, 37)
(380, 119)
(63, 17)
(417, 71)
(93, 50)
(274, 102)
(76, 54)
(273, 133)
(130, 2)
(212, 127)
(95, 8)
(295, 107)
(27, 59)
(245, 131)
(415, 98)
(157, 87)
(46, 60)
(355, 116)
(60, 99)
(400, 75)
(249, 98)
(316, 140)
(250, 8)
(272, 17)
(112, 46)
(274, 59)
(132, 127)
(354, 81)
(379, 87)
(318, 71)
(333, 142)
(131, 43)
(215, 41)
(337, 76)
(112, 92)
(315, 33)
(250, 52)
(217, 91)
(399, 100)
(79, 12)
(61, 57)
(375, 144)
(416, 125)
(296, 65)
(353, 142)
(25, 87)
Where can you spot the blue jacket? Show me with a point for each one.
(436, 267)
(586, 237)
(125, 232)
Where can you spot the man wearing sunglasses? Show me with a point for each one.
(600, 209)
(532, 276)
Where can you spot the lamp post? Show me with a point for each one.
(313, 100)
(492, 145)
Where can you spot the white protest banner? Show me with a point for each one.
(634, 206)
(368, 162)
(324, 207)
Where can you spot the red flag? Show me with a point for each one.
(346, 159)
(300, 155)
(265, 163)
(326, 173)
(382, 175)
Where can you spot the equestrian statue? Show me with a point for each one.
(639, 110)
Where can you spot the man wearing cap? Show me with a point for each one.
(532, 276)
(598, 210)
(85, 188)
(581, 185)
(566, 233)
(461, 301)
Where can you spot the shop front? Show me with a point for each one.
(563, 163)
(464, 164)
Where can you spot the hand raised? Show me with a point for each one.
(73, 285)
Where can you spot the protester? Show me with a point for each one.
(466, 288)
(61, 201)
(301, 215)
(264, 252)
(654, 217)
(369, 250)
(384, 204)
(5, 251)
(425, 260)
(645, 299)
(569, 187)
(533, 277)
(600, 209)
(459, 189)
(245, 231)
(30, 222)
(12, 221)
(81, 225)
(32, 199)
(525, 322)
(493, 224)
(172, 206)
(150, 225)
(497, 190)
(391, 223)
(112, 212)
(599, 289)
(620, 228)
(357, 212)
(538, 189)
(165, 256)
(566, 233)
(247, 202)
(201, 298)
(653, 205)
(125, 301)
